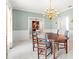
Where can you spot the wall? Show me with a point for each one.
(20, 19)
(20, 22)
(63, 19)
(63, 16)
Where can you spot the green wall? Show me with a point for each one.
(20, 19)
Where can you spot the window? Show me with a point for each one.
(67, 23)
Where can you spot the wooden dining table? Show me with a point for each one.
(53, 37)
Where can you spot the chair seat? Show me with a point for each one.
(43, 44)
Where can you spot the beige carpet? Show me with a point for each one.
(23, 50)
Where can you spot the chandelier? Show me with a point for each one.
(50, 13)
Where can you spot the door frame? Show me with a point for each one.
(41, 23)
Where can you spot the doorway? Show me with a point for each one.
(38, 21)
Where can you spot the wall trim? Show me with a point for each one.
(20, 35)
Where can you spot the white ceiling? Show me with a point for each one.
(39, 6)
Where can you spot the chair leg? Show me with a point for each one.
(66, 47)
(33, 48)
(58, 46)
(54, 50)
(38, 53)
(51, 47)
(45, 53)
(33, 45)
(65, 44)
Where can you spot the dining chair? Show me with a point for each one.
(35, 26)
(62, 38)
(34, 38)
(43, 45)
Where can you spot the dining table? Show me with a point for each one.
(53, 38)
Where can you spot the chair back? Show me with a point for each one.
(34, 33)
(42, 40)
(58, 32)
(66, 33)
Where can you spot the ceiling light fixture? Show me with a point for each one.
(50, 13)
